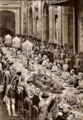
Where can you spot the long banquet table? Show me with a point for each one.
(19, 64)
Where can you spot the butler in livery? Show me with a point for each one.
(11, 92)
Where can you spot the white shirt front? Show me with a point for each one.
(8, 39)
(16, 42)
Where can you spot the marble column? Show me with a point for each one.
(51, 23)
(34, 19)
(39, 21)
(22, 17)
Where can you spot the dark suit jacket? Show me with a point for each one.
(35, 100)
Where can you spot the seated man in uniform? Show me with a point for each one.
(59, 70)
(77, 63)
(36, 57)
(68, 61)
(72, 77)
(54, 67)
(62, 54)
(49, 65)
(56, 53)
(65, 74)
(80, 77)
(39, 58)
(45, 60)
(42, 48)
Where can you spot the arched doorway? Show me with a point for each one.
(7, 22)
(45, 22)
(70, 27)
(30, 22)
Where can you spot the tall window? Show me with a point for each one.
(46, 22)
(30, 22)
(70, 27)
(56, 26)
